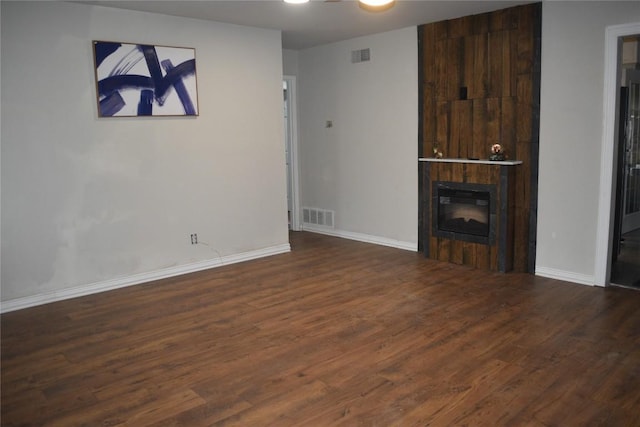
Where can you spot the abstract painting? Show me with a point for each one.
(145, 80)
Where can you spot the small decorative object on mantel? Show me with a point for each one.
(437, 153)
(496, 153)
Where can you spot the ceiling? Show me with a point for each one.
(318, 22)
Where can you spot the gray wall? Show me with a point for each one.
(89, 201)
(571, 133)
(364, 167)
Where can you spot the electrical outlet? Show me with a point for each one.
(194, 239)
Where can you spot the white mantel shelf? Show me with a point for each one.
(481, 162)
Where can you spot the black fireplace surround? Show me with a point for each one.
(463, 211)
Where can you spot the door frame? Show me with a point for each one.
(606, 202)
(629, 222)
(292, 132)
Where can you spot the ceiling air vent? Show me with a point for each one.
(361, 55)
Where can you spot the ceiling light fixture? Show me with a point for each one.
(376, 5)
(296, 1)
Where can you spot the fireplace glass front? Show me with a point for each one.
(464, 211)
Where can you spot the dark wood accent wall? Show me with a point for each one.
(480, 85)
(497, 256)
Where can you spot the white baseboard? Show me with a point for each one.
(567, 276)
(136, 279)
(408, 246)
(550, 273)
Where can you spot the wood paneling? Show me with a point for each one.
(477, 255)
(496, 57)
(335, 333)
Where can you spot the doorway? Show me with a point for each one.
(606, 234)
(291, 151)
(625, 267)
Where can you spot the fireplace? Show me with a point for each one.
(468, 212)
(463, 211)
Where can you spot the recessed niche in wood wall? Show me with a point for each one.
(480, 85)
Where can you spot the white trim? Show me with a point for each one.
(296, 223)
(136, 279)
(605, 205)
(566, 276)
(408, 246)
(477, 161)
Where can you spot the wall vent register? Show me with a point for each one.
(316, 216)
(362, 55)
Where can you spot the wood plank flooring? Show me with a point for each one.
(335, 333)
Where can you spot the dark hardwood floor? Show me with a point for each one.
(335, 333)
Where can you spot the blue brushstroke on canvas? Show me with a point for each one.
(111, 104)
(154, 88)
(153, 64)
(127, 62)
(104, 49)
(145, 106)
(181, 90)
(174, 75)
(109, 85)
